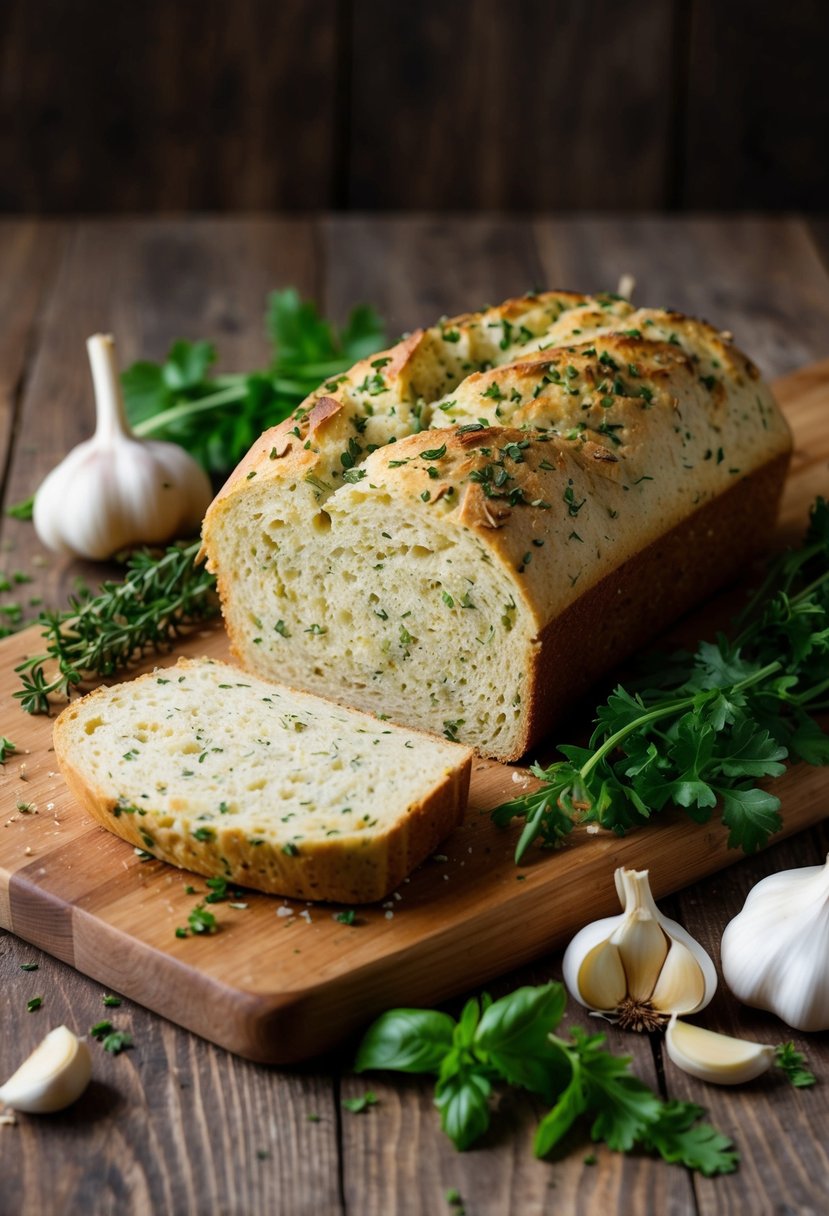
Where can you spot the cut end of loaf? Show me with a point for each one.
(226, 775)
(410, 539)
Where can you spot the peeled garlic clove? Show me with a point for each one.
(775, 952)
(53, 1077)
(638, 968)
(716, 1058)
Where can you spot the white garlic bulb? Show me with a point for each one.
(638, 968)
(52, 1077)
(716, 1058)
(775, 952)
(114, 490)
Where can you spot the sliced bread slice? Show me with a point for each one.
(216, 771)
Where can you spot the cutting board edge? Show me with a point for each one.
(253, 1024)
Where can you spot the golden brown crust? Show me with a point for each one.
(634, 603)
(568, 453)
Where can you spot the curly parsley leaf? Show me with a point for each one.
(793, 1064)
(678, 1137)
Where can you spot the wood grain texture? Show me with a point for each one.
(737, 275)
(166, 107)
(172, 1125)
(530, 106)
(415, 268)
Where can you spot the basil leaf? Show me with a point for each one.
(514, 1034)
(406, 1040)
(462, 1100)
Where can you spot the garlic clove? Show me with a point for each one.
(52, 1077)
(681, 984)
(638, 968)
(775, 952)
(716, 1058)
(602, 980)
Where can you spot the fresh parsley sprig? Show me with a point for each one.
(512, 1041)
(100, 634)
(793, 1063)
(709, 725)
(217, 418)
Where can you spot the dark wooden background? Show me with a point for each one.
(180, 105)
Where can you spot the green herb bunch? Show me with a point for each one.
(217, 417)
(709, 725)
(513, 1041)
(101, 634)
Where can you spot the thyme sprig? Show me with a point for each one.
(705, 726)
(101, 634)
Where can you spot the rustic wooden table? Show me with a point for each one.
(176, 1125)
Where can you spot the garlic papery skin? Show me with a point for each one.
(114, 490)
(52, 1078)
(716, 1058)
(639, 968)
(775, 952)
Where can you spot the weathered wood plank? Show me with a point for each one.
(415, 268)
(147, 283)
(168, 107)
(532, 106)
(756, 276)
(28, 253)
(172, 1125)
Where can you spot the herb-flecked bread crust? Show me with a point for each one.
(593, 469)
(362, 863)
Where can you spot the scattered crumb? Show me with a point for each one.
(8, 1120)
(306, 916)
(592, 829)
(439, 857)
(520, 779)
(388, 904)
(390, 915)
(446, 877)
(283, 911)
(396, 895)
(28, 850)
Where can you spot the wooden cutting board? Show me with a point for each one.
(282, 980)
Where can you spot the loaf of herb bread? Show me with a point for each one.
(226, 775)
(465, 531)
